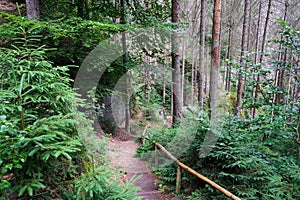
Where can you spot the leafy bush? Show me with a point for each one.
(69, 37)
(97, 184)
(41, 153)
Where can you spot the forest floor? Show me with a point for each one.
(122, 155)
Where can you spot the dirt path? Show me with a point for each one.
(122, 157)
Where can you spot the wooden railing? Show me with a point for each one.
(180, 166)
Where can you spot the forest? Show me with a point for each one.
(215, 82)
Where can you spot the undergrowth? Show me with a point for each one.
(47, 150)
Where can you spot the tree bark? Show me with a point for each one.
(214, 71)
(242, 60)
(176, 75)
(202, 51)
(280, 72)
(228, 56)
(33, 9)
(262, 54)
(183, 71)
(256, 55)
(265, 31)
(127, 98)
(193, 73)
(257, 33)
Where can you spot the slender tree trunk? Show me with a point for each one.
(183, 72)
(262, 52)
(164, 81)
(265, 32)
(127, 99)
(206, 70)
(280, 72)
(249, 46)
(80, 8)
(172, 102)
(202, 52)
(33, 9)
(176, 75)
(214, 71)
(228, 56)
(147, 81)
(193, 76)
(258, 33)
(256, 55)
(242, 60)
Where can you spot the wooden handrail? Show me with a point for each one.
(200, 176)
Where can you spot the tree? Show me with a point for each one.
(202, 51)
(176, 75)
(214, 71)
(242, 60)
(262, 54)
(127, 80)
(33, 9)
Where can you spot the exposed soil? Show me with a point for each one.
(121, 151)
(7, 6)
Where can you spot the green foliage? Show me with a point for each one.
(41, 151)
(240, 162)
(163, 136)
(38, 138)
(108, 11)
(97, 184)
(69, 37)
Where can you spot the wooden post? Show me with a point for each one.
(156, 157)
(178, 180)
(143, 134)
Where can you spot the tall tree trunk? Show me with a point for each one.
(206, 70)
(124, 46)
(258, 33)
(265, 32)
(228, 56)
(183, 71)
(249, 45)
(80, 8)
(281, 57)
(33, 9)
(211, 136)
(202, 51)
(262, 55)
(87, 9)
(242, 60)
(147, 80)
(164, 81)
(83, 8)
(193, 73)
(214, 71)
(256, 54)
(176, 75)
(262, 52)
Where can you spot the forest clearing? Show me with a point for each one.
(150, 99)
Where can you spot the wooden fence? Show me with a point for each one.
(181, 166)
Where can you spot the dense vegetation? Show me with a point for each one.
(258, 158)
(50, 150)
(42, 153)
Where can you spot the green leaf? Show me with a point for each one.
(22, 190)
(30, 191)
(33, 151)
(21, 84)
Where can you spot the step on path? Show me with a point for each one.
(122, 156)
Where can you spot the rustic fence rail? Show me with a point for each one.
(181, 166)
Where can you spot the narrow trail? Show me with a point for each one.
(122, 157)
